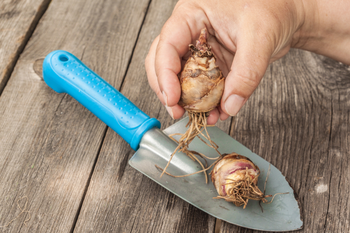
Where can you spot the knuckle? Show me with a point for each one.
(182, 5)
(249, 77)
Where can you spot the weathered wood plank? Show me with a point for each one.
(17, 22)
(49, 142)
(119, 198)
(298, 119)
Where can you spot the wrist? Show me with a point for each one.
(305, 32)
(324, 28)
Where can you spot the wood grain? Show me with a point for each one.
(298, 119)
(18, 19)
(119, 198)
(74, 171)
(49, 142)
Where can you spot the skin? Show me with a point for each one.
(246, 36)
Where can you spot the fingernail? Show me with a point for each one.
(233, 104)
(165, 97)
(170, 111)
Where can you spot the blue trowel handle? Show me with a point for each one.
(63, 72)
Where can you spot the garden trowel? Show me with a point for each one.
(63, 72)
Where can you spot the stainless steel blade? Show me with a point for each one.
(283, 214)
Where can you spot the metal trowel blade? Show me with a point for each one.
(283, 214)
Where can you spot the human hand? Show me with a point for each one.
(245, 36)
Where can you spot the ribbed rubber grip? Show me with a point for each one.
(63, 72)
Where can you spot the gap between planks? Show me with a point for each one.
(106, 129)
(133, 49)
(88, 182)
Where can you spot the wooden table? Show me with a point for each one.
(68, 171)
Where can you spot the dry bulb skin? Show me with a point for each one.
(235, 178)
(202, 86)
(202, 82)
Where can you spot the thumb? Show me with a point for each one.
(248, 68)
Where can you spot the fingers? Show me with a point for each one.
(182, 29)
(172, 46)
(165, 60)
(163, 63)
(249, 65)
(224, 57)
(151, 73)
(213, 117)
(175, 111)
(223, 115)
